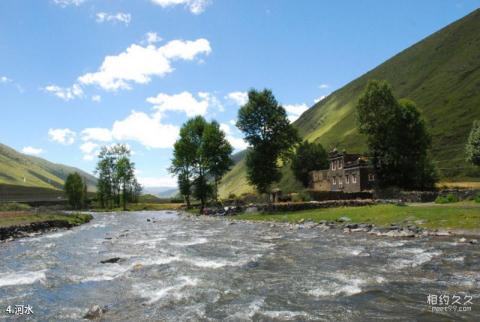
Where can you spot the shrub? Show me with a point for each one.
(13, 206)
(301, 197)
(450, 198)
(477, 198)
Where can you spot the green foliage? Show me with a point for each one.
(14, 206)
(270, 135)
(397, 139)
(201, 154)
(473, 144)
(76, 191)
(450, 198)
(301, 197)
(477, 198)
(308, 157)
(116, 183)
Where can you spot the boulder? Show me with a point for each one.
(343, 219)
(95, 312)
(112, 260)
(473, 241)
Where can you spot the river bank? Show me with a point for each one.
(18, 224)
(410, 220)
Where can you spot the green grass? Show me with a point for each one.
(461, 215)
(30, 217)
(441, 74)
(18, 169)
(143, 206)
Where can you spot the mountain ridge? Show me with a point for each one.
(440, 73)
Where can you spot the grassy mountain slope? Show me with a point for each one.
(441, 74)
(23, 170)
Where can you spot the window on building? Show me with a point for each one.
(340, 181)
(334, 181)
(340, 164)
(347, 179)
(333, 165)
(354, 178)
(371, 177)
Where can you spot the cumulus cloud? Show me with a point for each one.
(114, 18)
(96, 134)
(66, 3)
(62, 136)
(96, 98)
(152, 38)
(319, 99)
(65, 93)
(237, 143)
(90, 150)
(137, 64)
(295, 110)
(323, 86)
(238, 98)
(183, 102)
(195, 6)
(31, 150)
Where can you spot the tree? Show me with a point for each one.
(473, 144)
(201, 155)
(308, 157)
(397, 139)
(216, 150)
(270, 135)
(75, 190)
(116, 182)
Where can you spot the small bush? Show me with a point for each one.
(450, 198)
(477, 198)
(13, 206)
(301, 197)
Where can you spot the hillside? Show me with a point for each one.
(441, 74)
(23, 170)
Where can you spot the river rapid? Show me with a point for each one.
(176, 268)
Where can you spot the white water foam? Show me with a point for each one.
(286, 315)
(195, 241)
(175, 290)
(22, 278)
(414, 257)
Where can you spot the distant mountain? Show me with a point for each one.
(162, 192)
(24, 170)
(441, 74)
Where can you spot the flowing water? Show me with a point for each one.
(183, 269)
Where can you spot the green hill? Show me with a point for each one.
(441, 74)
(18, 169)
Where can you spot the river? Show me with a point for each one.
(182, 269)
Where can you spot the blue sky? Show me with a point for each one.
(78, 74)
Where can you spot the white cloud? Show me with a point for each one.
(118, 17)
(323, 86)
(63, 136)
(183, 102)
(96, 98)
(195, 6)
(97, 134)
(145, 129)
(233, 122)
(239, 98)
(31, 150)
(319, 99)
(90, 150)
(237, 143)
(65, 93)
(5, 79)
(165, 181)
(152, 37)
(295, 110)
(66, 3)
(138, 64)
